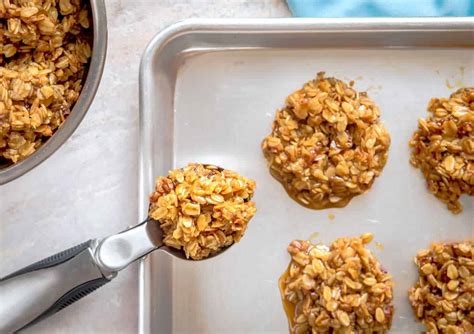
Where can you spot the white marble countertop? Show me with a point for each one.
(88, 188)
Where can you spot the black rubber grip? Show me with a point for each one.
(51, 261)
(69, 298)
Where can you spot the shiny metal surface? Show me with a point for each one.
(96, 66)
(117, 251)
(208, 92)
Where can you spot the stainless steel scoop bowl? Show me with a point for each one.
(46, 287)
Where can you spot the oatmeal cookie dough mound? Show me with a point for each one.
(443, 147)
(202, 209)
(443, 296)
(336, 289)
(327, 144)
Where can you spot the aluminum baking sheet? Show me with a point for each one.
(208, 93)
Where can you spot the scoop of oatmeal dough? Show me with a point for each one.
(443, 296)
(202, 209)
(443, 147)
(327, 144)
(337, 289)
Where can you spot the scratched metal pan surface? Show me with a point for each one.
(208, 93)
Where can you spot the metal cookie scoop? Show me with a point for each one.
(46, 287)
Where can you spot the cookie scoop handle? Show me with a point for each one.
(46, 287)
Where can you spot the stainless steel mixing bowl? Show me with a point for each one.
(94, 73)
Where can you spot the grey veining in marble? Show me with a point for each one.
(88, 188)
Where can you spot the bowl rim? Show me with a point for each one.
(88, 92)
